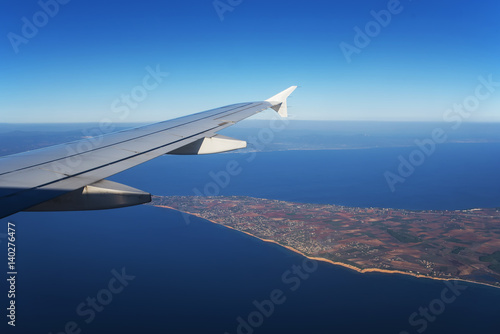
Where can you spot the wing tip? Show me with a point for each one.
(282, 96)
(279, 103)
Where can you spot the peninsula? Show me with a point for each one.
(461, 244)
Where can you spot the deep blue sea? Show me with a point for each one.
(192, 276)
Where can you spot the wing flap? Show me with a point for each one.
(210, 145)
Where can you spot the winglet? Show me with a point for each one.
(279, 101)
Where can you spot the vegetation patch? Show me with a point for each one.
(457, 250)
(495, 267)
(403, 236)
(494, 257)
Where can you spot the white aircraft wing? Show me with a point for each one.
(71, 177)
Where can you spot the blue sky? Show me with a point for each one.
(83, 59)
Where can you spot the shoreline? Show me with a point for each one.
(345, 265)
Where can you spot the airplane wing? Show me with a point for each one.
(72, 176)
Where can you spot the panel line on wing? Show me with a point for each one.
(106, 165)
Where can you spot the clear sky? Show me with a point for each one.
(76, 62)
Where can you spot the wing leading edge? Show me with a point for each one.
(71, 176)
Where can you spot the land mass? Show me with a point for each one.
(459, 244)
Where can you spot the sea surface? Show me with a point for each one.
(187, 275)
(455, 176)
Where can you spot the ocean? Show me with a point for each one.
(146, 269)
(456, 176)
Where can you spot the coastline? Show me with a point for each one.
(345, 265)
